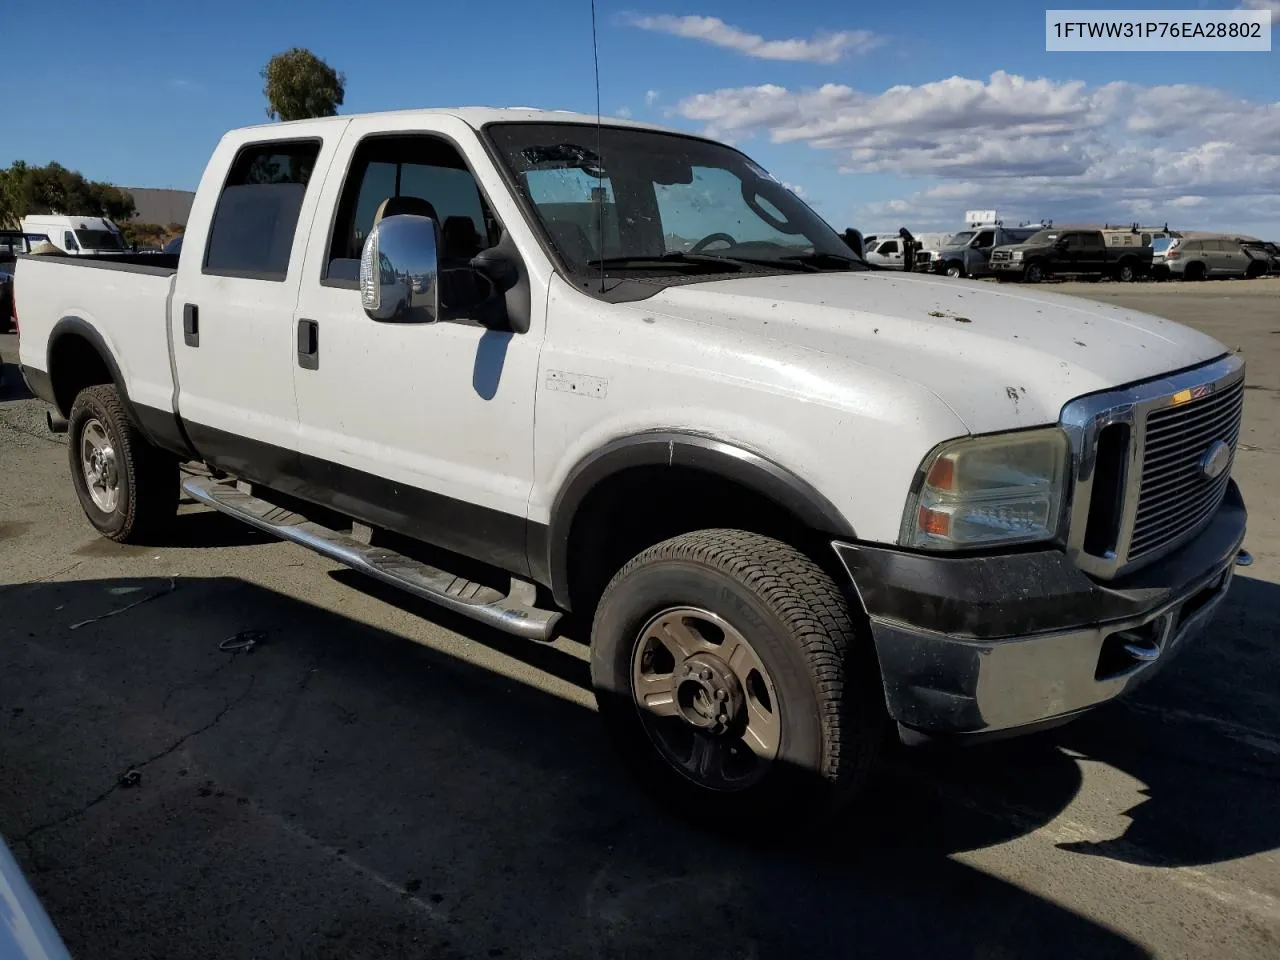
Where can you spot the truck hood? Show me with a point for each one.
(999, 358)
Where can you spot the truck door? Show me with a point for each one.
(890, 254)
(421, 428)
(232, 311)
(1092, 255)
(979, 252)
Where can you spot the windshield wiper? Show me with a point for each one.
(664, 260)
(803, 262)
(820, 259)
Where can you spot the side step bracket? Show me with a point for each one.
(513, 613)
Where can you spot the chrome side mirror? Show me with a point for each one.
(400, 271)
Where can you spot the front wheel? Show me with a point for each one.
(128, 488)
(1033, 273)
(735, 677)
(955, 270)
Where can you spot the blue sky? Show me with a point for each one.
(984, 117)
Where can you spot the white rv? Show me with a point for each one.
(76, 236)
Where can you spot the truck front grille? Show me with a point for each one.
(1152, 464)
(1000, 254)
(1176, 494)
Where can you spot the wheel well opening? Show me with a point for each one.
(75, 363)
(636, 508)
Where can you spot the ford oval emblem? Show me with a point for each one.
(1215, 459)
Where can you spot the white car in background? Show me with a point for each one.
(885, 253)
(77, 236)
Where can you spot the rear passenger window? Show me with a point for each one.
(257, 213)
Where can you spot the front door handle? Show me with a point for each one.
(191, 324)
(308, 345)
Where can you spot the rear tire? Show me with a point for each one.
(804, 721)
(127, 488)
(1127, 273)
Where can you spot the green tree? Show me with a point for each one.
(25, 190)
(299, 86)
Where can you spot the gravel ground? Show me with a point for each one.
(376, 778)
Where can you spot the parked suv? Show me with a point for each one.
(966, 254)
(1204, 258)
(1081, 253)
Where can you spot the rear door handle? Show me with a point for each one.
(191, 324)
(308, 345)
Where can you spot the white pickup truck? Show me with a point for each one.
(522, 364)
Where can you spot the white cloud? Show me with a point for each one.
(1272, 5)
(796, 189)
(823, 47)
(651, 97)
(624, 112)
(1038, 146)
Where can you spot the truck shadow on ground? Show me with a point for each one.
(340, 791)
(12, 386)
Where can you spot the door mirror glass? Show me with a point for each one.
(400, 271)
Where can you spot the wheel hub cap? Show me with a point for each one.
(705, 699)
(101, 471)
(708, 695)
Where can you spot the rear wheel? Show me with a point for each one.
(736, 679)
(1127, 272)
(128, 488)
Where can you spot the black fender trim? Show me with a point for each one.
(161, 428)
(549, 547)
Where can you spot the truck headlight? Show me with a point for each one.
(1016, 255)
(994, 489)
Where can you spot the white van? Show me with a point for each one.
(77, 236)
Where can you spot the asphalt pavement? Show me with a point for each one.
(227, 746)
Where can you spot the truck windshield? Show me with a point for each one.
(98, 240)
(958, 239)
(626, 201)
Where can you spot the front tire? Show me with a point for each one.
(736, 679)
(955, 270)
(127, 488)
(1033, 273)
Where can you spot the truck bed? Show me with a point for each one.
(123, 299)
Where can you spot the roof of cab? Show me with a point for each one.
(475, 117)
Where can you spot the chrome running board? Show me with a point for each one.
(512, 613)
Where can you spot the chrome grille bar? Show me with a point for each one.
(1166, 495)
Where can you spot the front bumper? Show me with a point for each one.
(1005, 266)
(983, 645)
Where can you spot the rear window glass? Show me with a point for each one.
(257, 213)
